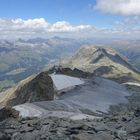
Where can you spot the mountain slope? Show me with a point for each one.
(102, 62)
(130, 49)
(34, 88)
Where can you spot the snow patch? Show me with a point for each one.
(132, 83)
(62, 81)
(31, 110)
(27, 111)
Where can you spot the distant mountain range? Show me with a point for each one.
(21, 58)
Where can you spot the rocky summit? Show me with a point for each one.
(34, 88)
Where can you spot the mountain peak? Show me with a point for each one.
(102, 61)
(32, 89)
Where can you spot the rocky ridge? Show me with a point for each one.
(34, 88)
(101, 61)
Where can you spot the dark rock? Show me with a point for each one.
(7, 112)
(35, 89)
(123, 79)
(4, 136)
(124, 119)
(73, 72)
(137, 113)
(71, 132)
(102, 70)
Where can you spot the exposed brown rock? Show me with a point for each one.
(35, 89)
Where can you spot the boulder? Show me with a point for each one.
(7, 112)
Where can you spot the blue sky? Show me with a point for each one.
(73, 11)
(28, 18)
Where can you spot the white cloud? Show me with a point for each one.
(36, 27)
(19, 28)
(40, 23)
(64, 26)
(121, 7)
(30, 23)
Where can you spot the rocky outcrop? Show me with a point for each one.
(70, 72)
(103, 70)
(123, 79)
(39, 88)
(7, 112)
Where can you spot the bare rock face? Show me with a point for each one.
(103, 70)
(70, 72)
(7, 112)
(39, 88)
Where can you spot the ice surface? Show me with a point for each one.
(31, 110)
(63, 81)
(133, 84)
(95, 94)
(98, 97)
